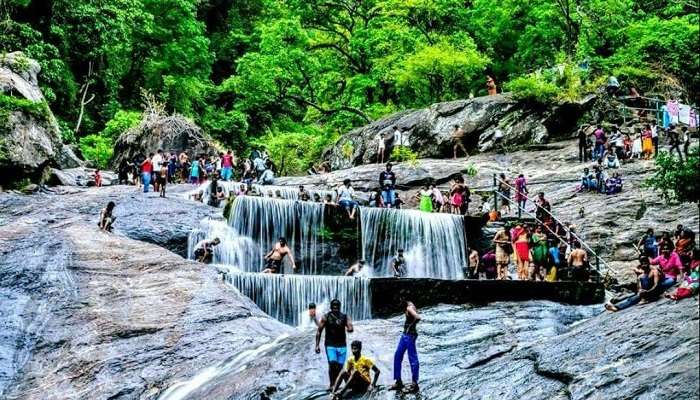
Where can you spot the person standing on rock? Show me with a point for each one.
(275, 257)
(146, 172)
(504, 190)
(491, 86)
(162, 178)
(582, 145)
(227, 166)
(504, 249)
(407, 343)
(381, 147)
(157, 161)
(521, 240)
(578, 262)
(336, 324)
(521, 192)
(387, 181)
(458, 141)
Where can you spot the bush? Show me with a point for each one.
(98, 149)
(563, 83)
(533, 88)
(677, 180)
(403, 154)
(122, 121)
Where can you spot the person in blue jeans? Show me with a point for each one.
(648, 287)
(407, 343)
(336, 324)
(387, 181)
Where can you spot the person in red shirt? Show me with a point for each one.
(98, 178)
(227, 166)
(146, 172)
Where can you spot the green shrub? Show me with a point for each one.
(122, 121)
(533, 88)
(677, 180)
(347, 149)
(403, 154)
(98, 149)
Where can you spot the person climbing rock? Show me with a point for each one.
(356, 374)
(336, 324)
(275, 257)
(398, 265)
(204, 250)
(106, 217)
(355, 268)
(458, 141)
(407, 343)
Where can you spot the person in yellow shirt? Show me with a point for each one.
(356, 373)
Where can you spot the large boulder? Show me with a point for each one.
(429, 129)
(30, 139)
(166, 132)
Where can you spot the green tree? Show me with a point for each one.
(677, 180)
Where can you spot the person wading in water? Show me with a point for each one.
(276, 255)
(407, 343)
(204, 250)
(398, 265)
(336, 325)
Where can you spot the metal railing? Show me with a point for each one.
(569, 232)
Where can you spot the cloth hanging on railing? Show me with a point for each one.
(684, 114)
(672, 107)
(693, 123)
(666, 118)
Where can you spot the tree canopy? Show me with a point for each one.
(246, 70)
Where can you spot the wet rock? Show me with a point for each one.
(86, 313)
(429, 129)
(81, 176)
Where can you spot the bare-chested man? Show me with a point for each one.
(355, 268)
(274, 258)
(578, 261)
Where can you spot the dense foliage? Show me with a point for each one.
(250, 71)
(677, 180)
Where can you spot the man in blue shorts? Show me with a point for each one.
(336, 325)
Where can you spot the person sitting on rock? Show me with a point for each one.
(356, 374)
(355, 268)
(267, 177)
(613, 185)
(647, 280)
(611, 160)
(328, 200)
(275, 257)
(647, 245)
(204, 250)
(303, 194)
(345, 195)
(317, 198)
(690, 285)
(398, 202)
(106, 217)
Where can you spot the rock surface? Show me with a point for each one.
(429, 129)
(532, 350)
(81, 176)
(84, 314)
(167, 133)
(30, 142)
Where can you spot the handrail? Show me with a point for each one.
(569, 231)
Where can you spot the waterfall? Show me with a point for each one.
(434, 244)
(263, 221)
(234, 250)
(286, 297)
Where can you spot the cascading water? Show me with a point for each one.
(434, 244)
(235, 251)
(286, 297)
(264, 221)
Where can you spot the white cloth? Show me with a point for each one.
(684, 114)
(157, 161)
(654, 132)
(380, 141)
(345, 193)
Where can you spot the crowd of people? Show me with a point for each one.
(663, 263)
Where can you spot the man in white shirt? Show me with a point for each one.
(345, 198)
(157, 161)
(655, 137)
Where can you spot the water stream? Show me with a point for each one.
(434, 244)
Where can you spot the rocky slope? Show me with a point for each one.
(85, 314)
(30, 141)
(533, 350)
(429, 129)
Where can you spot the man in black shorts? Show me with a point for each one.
(204, 250)
(273, 259)
(398, 265)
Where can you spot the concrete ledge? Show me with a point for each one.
(387, 293)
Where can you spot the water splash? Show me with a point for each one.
(263, 221)
(434, 244)
(286, 297)
(234, 251)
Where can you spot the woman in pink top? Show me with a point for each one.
(670, 264)
(521, 191)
